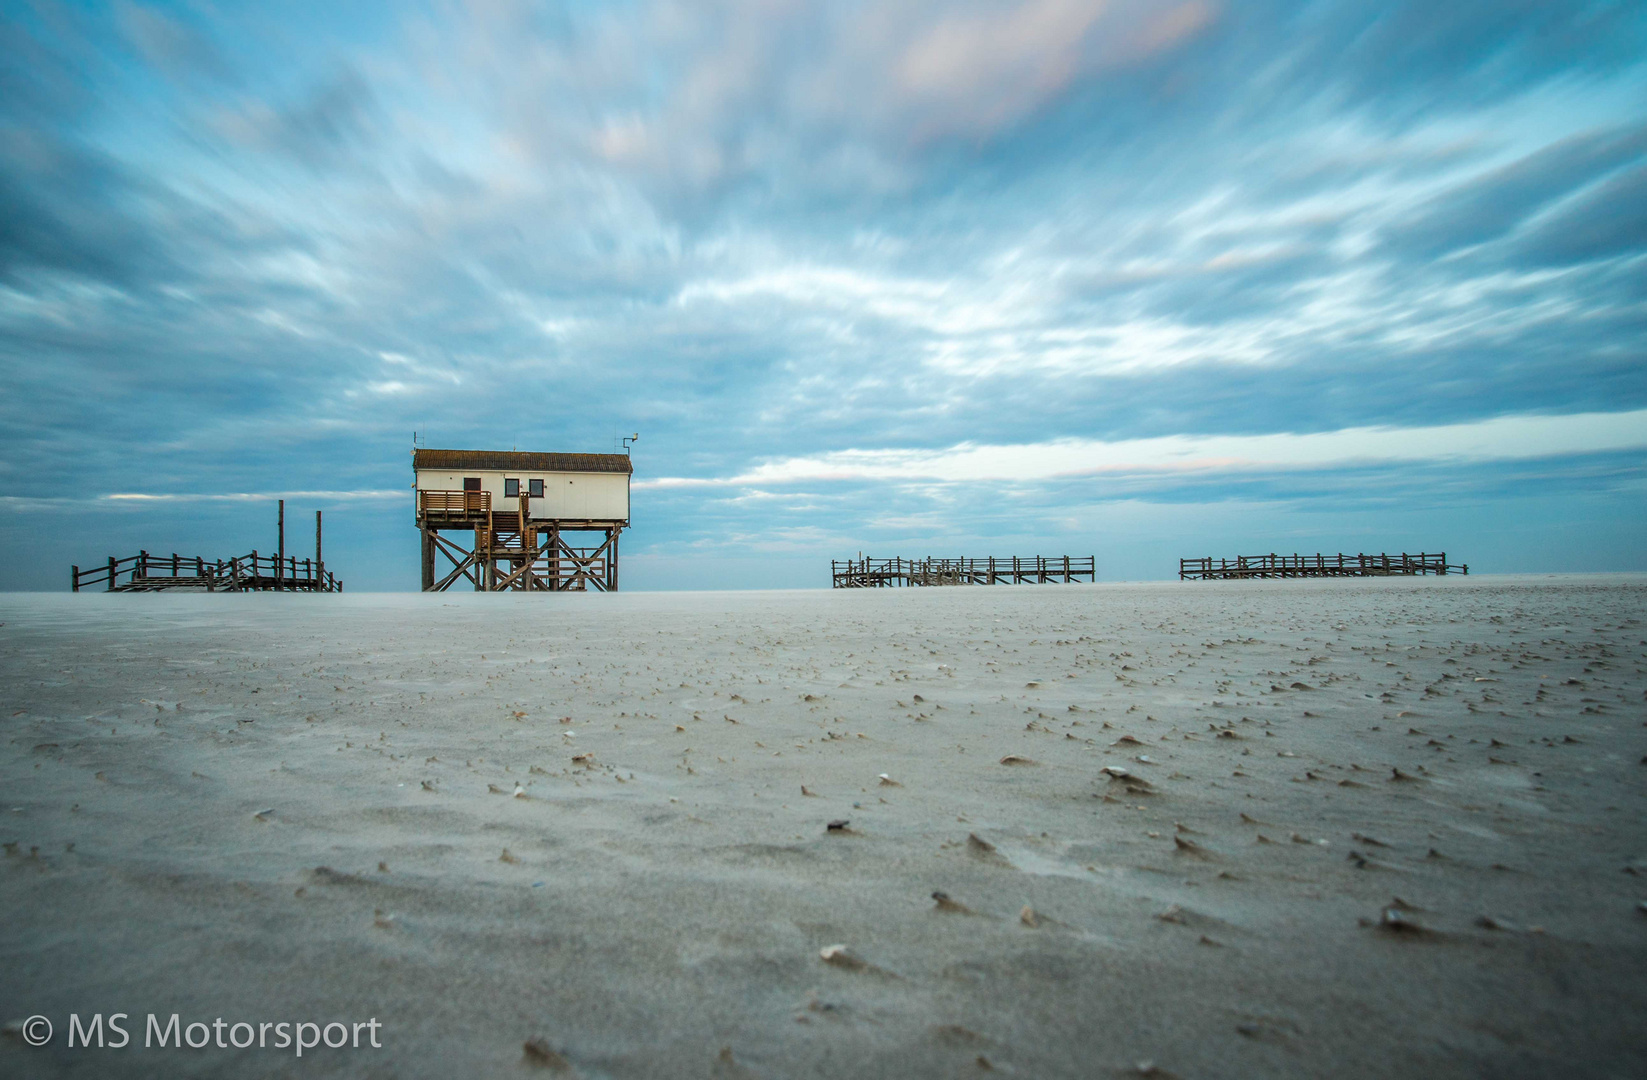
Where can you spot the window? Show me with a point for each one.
(536, 488)
(511, 489)
(471, 483)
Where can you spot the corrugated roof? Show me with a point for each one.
(514, 461)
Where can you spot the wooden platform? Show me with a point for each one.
(991, 570)
(144, 572)
(1317, 566)
(510, 550)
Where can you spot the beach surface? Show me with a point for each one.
(1384, 828)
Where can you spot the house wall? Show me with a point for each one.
(566, 496)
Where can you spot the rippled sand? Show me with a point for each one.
(599, 823)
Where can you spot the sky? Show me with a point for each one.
(1139, 280)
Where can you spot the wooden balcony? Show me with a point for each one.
(453, 505)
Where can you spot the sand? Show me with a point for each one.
(599, 824)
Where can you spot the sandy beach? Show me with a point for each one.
(1285, 829)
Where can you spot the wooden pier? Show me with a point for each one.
(144, 572)
(993, 570)
(1318, 566)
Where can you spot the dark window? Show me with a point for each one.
(536, 488)
(471, 483)
(511, 489)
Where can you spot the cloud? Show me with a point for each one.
(1608, 221)
(973, 71)
(171, 45)
(1487, 207)
(251, 496)
(1501, 438)
(330, 124)
(857, 258)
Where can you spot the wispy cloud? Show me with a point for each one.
(1500, 439)
(256, 496)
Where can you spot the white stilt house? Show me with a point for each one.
(519, 507)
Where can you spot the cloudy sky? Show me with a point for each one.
(1113, 277)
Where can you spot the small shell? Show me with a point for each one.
(1191, 848)
(841, 957)
(1397, 921)
(540, 1053)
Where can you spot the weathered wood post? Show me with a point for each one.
(112, 565)
(74, 578)
(320, 564)
(280, 552)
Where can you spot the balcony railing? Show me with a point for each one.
(453, 503)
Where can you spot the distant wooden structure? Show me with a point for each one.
(522, 511)
(1013, 570)
(144, 572)
(1317, 566)
(274, 572)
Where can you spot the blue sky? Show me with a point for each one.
(1137, 280)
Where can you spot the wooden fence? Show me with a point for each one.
(1318, 565)
(144, 572)
(1012, 570)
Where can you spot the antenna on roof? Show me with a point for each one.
(630, 440)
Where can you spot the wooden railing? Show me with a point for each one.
(454, 503)
(993, 570)
(1319, 565)
(145, 572)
